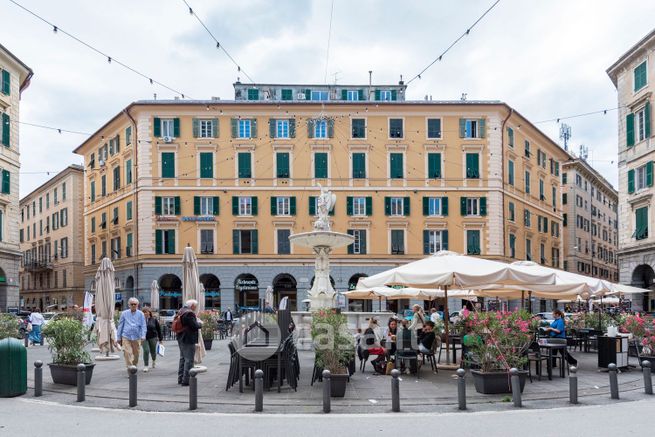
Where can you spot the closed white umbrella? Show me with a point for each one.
(105, 303)
(201, 297)
(154, 295)
(269, 296)
(191, 290)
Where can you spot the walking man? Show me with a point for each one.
(229, 320)
(131, 332)
(187, 339)
(37, 320)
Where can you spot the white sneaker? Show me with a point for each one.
(153, 364)
(145, 369)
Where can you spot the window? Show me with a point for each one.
(282, 205)
(245, 206)
(5, 124)
(542, 194)
(244, 241)
(384, 95)
(473, 242)
(103, 221)
(396, 170)
(64, 247)
(128, 171)
(205, 205)
(320, 95)
(397, 206)
(245, 128)
(434, 128)
(206, 241)
(527, 218)
(359, 206)
(397, 242)
(358, 247)
(510, 172)
(320, 129)
(564, 178)
(282, 128)
(528, 249)
(512, 212)
(168, 165)
(554, 196)
(642, 121)
(287, 94)
(167, 127)
(353, 95)
(434, 165)
(168, 205)
(641, 223)
(510, 137)
(114, 219)
(641, 177)
(282, 165)
(436, 206)
(128, 210)
(283, 244)
(115, 245)
(320, 165)
(164, 241)
(471, 128)
(640, 76)
(128, 245)
(358, 128)
(542, 253)
(5, 82)
(434, 241)
(64, 217)
(244, 165)
(206, 128)
(128, 135)
(473, 206)
(395, 128)
(512, 246)
(527, 182)
(253, 94)
(117, 179)
(359, 165)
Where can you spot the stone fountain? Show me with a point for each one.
(322, 240)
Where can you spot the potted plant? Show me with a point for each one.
(334, 346)
(643, 332)
(500, 342)
(209, 323)
(67, 338)
(9, 326)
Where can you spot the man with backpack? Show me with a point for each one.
(186, 326)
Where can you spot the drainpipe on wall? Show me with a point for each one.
(135, 181)
(502, 173)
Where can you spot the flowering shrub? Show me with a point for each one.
(503, 338)
(637, 325)
(333, 342)
(576, 321)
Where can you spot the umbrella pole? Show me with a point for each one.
(447, 322)
(530, 301)
(600, 315)
(111, 345)
(522, 299)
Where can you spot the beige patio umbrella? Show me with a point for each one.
(154, 295)
(105, 303)
(201, 297)
(191, 290)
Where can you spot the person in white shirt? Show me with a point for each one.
(37, 320)
(434, 315)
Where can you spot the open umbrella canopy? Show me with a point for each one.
(627, 289)
(154, 295)
(455, 270)
(406, 293)
(566, 282)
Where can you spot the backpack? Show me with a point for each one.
(177, 326)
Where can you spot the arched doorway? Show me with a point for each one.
(246, 288)
(212, 291)
(170, 291)
(643, 276)
(360, 304)
(285, 285)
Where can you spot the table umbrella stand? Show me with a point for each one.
(446, 316)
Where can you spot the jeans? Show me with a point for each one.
(187, 351)
(35, 335)
(149, 347)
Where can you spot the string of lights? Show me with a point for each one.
(218, 44)
(59, 130)
(584, 114)
(454, 43)
(110, 59)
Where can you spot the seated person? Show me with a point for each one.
(425, 346)
(372, 337)
(390, 334)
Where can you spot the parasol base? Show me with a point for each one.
(448, 366)
(95, 349)
(106, 357)
(199, 369)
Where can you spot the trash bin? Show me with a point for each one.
(13, 368)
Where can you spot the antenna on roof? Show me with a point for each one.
(565, 135)
(584, 152)
(463, 98)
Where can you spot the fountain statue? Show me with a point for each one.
(322, 240)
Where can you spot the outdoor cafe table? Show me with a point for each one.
(264, 351)
(550, 347)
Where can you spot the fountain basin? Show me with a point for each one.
(321, 239)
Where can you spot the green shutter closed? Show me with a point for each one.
(196, 205)
(177, 205)
(272, 128)
(195, 124)
(282, 159)
(235, 205)
(168, 165)
(292, 205)
(394, 95)
(649, 173)
(254, 241)
(351, 250)
(234, 124)
(630, 129)
(444, 206)
(462, 205)
(396, 165)
(6, 82)
(216, 205)
(434, 165)
(170, 248)
(631, 181)
(406, 209)
(359, 165)
(236, 243)
(287, 94)
(158, 241)
(253, 200)
(176, 127)
(308, 94)
(320, 165)
(377, 95)
(647, 120)
(344, 94)
(349, 205)
(244, 165)
(462, 127)
(360, 95)
(483, 206)
(312, 205)
(156, 127)
(426, 206)
(206, 165)
(273, 205)
(157, 205)
(369, 206)
(444, 240)
(6, 182)
(472, 165)
(387, 206)
(6, 129)
(426, 240)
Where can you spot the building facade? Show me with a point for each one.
(14, 79)
(233, 179)
(52, 242)
(633, 77)
(591, 221)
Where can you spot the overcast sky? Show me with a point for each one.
(547, 59)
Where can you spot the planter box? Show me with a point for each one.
(338, 385)
(208, 344)
(67, 374)
(491, 383)
(643, 358)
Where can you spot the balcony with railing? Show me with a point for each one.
(38, 266)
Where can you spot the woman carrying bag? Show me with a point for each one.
(153, 336)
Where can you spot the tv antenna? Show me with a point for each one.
(584, 152)
(336, 76)
(565, 135)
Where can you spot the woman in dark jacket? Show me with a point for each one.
(153, 335)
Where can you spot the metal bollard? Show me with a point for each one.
(327, 391)
(193, 389)
(38, 378)
(461, 389)
(395, 391)
(648, 378)
(516, 387)
(573, 385)
(81, 382)
(27, 339)
(132, 372)
(259, 390)
(614, 381)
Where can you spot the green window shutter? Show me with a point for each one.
(156, 127)
(462, 205)
(177, 205)
(215, 127)
(472, 165)
(344, 94)
(292, 128)
(273, 205)
(510, 136)
(310, 128)
(312, 205)
(171, 241)
(196, 127)
(176, 127)
(215, 205)
(631, 181)
(647, 120)
(360, 94)
(630, 129)
(253, 128)
(308, 94)
(394, 94)
(244, 165)
(444, 206)
(444, 240)
(426, 206)
(128, 171)
(235, 205)
(157, 205)
(129, 210)
(434, 165)
(546, 224)
(349, 205)
(168, 165)
(396, 165)
(253, 199)
(254, 238)
(6, 82)
(649, 173)
(234, 123)
(320, 165)
(287, 94)
(482, 130)
(158, 241)
(387, 206)
(377, 95)
(462, 128)
(236, 243)
(196, 205)
(282, 159)
(330, 128)
(350, 246)
(483, 206)
(510, 168)
(292, 205)
(359, 165)
(6, 129)
(206, 165)
(406, 209)
(369, 206)
(426, 241)
(271, 127)
(6, 182)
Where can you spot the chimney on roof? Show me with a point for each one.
(176, 98)
(216, 98)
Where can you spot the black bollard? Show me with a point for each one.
(648, 378)
(395, 391)
(573, 385)
(81, 382)
(614, 381)
(461, 389)
(327, 391)
(193, 389)
(132, 372)
(259, 390)
(38, 378)
(27, 339)
(516, 387)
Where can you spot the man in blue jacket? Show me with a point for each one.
(131, 332)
